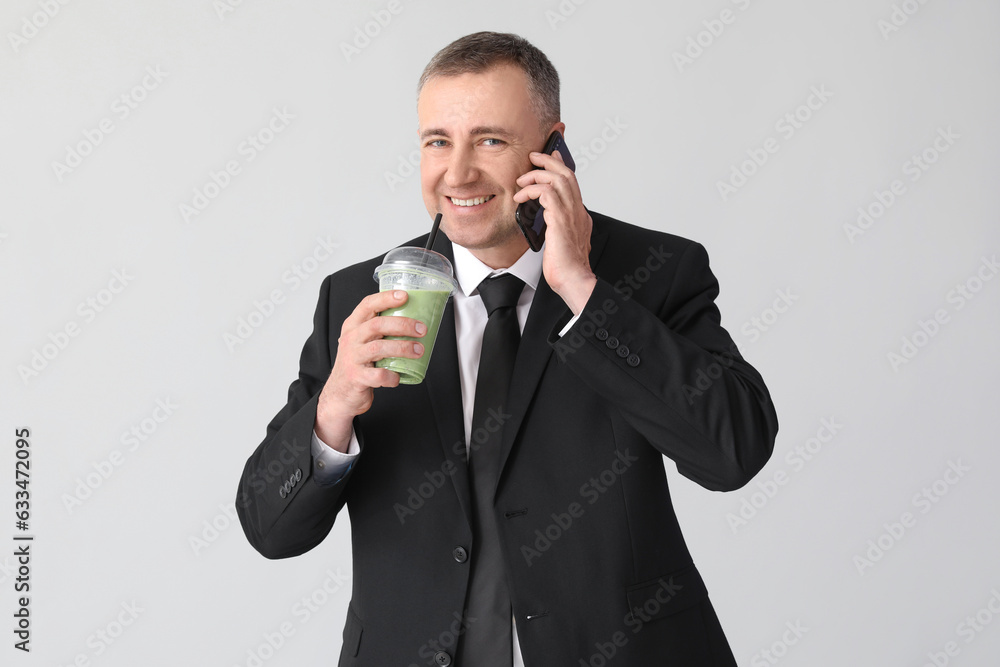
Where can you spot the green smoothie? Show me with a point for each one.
(426, 306)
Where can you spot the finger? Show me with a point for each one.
(372, 305)
(384, 348)
(551, 197)
(369, 353)
(377, 377)
(554, 171)
(550, 162)
(395, 325)
(566, 189)
(533, 191)
(535, 183)
(566, 183)
(532, 177)
(381, 377)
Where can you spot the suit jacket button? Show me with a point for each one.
(633, 360)
(602, 334)
(298, 474)
(441, 658)
(282, 492)
(623, 351)
(460, 554)
(612, 342)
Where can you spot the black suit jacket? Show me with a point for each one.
(596, 562)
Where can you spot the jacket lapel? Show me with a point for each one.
(444, 386)
(534, 351)
(444, 390)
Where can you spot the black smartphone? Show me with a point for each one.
(529, 214)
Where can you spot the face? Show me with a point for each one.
(476, 131)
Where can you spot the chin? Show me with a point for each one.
(494, 236)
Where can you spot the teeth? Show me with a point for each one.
(471, 202)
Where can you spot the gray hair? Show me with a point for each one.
(481, 51)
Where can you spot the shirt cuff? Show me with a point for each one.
(569, 325)
(329, 465)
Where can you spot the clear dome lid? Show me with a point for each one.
(409, 259)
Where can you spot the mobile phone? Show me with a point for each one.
(529, 214)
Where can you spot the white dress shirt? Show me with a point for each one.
(470, 323)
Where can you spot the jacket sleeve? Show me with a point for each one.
(283, 510)
(676, 375)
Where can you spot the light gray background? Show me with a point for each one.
(680, 130)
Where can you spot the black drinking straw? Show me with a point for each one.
(434, 232)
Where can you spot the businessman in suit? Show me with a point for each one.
(523, 518)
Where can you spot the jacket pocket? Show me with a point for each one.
(352, 634)
(667, 595)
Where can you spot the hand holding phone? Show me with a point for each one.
(529, 214)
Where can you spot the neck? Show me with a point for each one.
(501, 257)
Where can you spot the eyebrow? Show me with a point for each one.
(476, 131)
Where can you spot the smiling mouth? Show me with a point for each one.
(471, 202)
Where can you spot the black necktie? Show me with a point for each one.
(488, 641)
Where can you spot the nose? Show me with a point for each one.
(462, 167)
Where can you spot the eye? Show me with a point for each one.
(495, 142)
(435, 143)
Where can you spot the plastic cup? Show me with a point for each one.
(429, 281)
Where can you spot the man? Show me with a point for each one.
(552, 510)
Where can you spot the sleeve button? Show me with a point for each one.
(602, 334)
(633, 360)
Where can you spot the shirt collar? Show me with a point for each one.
(469, 271)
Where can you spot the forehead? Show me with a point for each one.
(498, 96)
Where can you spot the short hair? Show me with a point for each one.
(482, 51)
